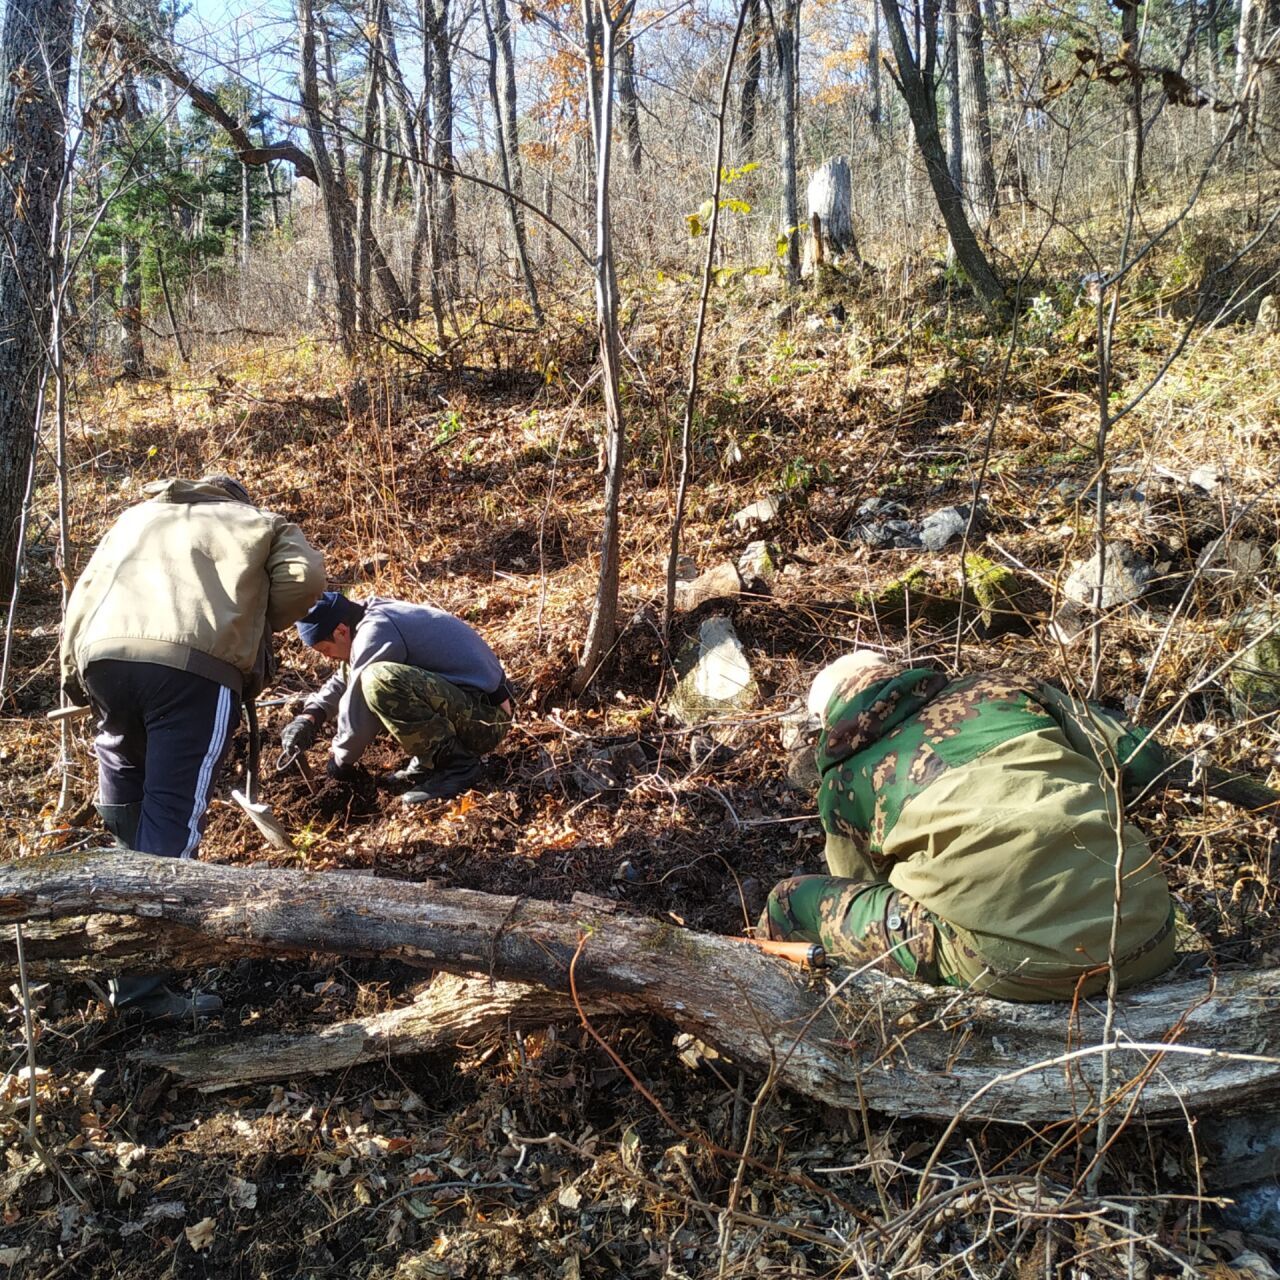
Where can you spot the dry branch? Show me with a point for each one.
(904, 1048)
(452, 1010)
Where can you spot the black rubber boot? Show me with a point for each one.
(122, 821)
(156, 1002)
(455, 772)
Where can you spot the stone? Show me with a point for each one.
(798, 727)
(763, 512)
(716, 677)
(1232, 555)
(720, 582)
(758, 563)
(1268, 320)
(1126, 576)
(1253, 682)
(998, 594)
(1070, 623)
(802, 770)
(939, 527)
(1206, 477)
(686, 568)
(882, 524)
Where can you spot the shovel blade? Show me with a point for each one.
(262, 818)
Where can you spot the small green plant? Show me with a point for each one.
(799, 475)
(449, 427)
(1042, 319)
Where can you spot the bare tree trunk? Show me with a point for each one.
(246, 215)
(786, 44)
(600, 30)
(435, 19)
(168, 306)
(333, 100)
(629, 99)
(875, 114)
(129, 305)
(364, 179)
(916, 82)
(749, 99)
(975, 112)
(1133, 111)
(867, 1041)
(388, 179)
(341, 248)
(502, 92)
(955, 133)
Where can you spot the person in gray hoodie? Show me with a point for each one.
(418, 673)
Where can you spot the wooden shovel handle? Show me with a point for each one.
(808, 955)
(67, 713)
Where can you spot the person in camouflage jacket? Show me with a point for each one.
(973, 828)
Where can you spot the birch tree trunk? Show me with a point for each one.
(955, 133)
(435, 18)
(364, 178)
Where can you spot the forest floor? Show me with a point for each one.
(475, 488)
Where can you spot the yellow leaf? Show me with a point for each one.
(201, 1235)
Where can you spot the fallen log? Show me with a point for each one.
(1193, 1044)
(452, 1010)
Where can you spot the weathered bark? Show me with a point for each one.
(1133, 131)
(435, 23)
(341, 243)
(831, 199)
(875, 111)
(975, 111)
(502, 94)
(129, 309)
(452, 1010)
(600, 31)
(955, 133)
(898, 1046)
(629, 100)
(749, 99)
(916, 82)
(786, 45)
(246, 215)
(364, 179)
(333, 95)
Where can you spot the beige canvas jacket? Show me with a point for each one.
(190, 579)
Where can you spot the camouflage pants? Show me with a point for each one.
(860, 920)
(428, 715)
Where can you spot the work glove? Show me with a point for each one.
(298, 735)
(341, 772)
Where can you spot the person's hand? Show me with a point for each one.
(298, 735)
(341, 772)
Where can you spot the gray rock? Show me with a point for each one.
(1253, 682)
(758, 563)
(1255, 1209)
(798, 727)
(686, 568)
(1268, 320)
(1069, 623)
(1234, 555)
(1240, 1150)
(1126, 576)
(717, 679)
(1208, 478)
(939, 527)
(718, 583)
(802, 770)
(758, 513)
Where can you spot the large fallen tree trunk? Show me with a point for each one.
(895, 1046)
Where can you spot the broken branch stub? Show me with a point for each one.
(905, 1049)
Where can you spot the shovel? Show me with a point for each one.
(259, 814)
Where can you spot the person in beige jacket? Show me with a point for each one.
(166, 630)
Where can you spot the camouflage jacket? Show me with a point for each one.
(990, 801)
(889, 734)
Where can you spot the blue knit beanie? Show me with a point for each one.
(327, 612)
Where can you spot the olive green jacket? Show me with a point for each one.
(191, 579)
(991, 801)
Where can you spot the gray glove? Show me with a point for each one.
(298, 735)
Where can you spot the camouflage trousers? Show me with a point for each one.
(428, 715)
(859, 921)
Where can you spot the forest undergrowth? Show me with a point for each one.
(471, 482)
